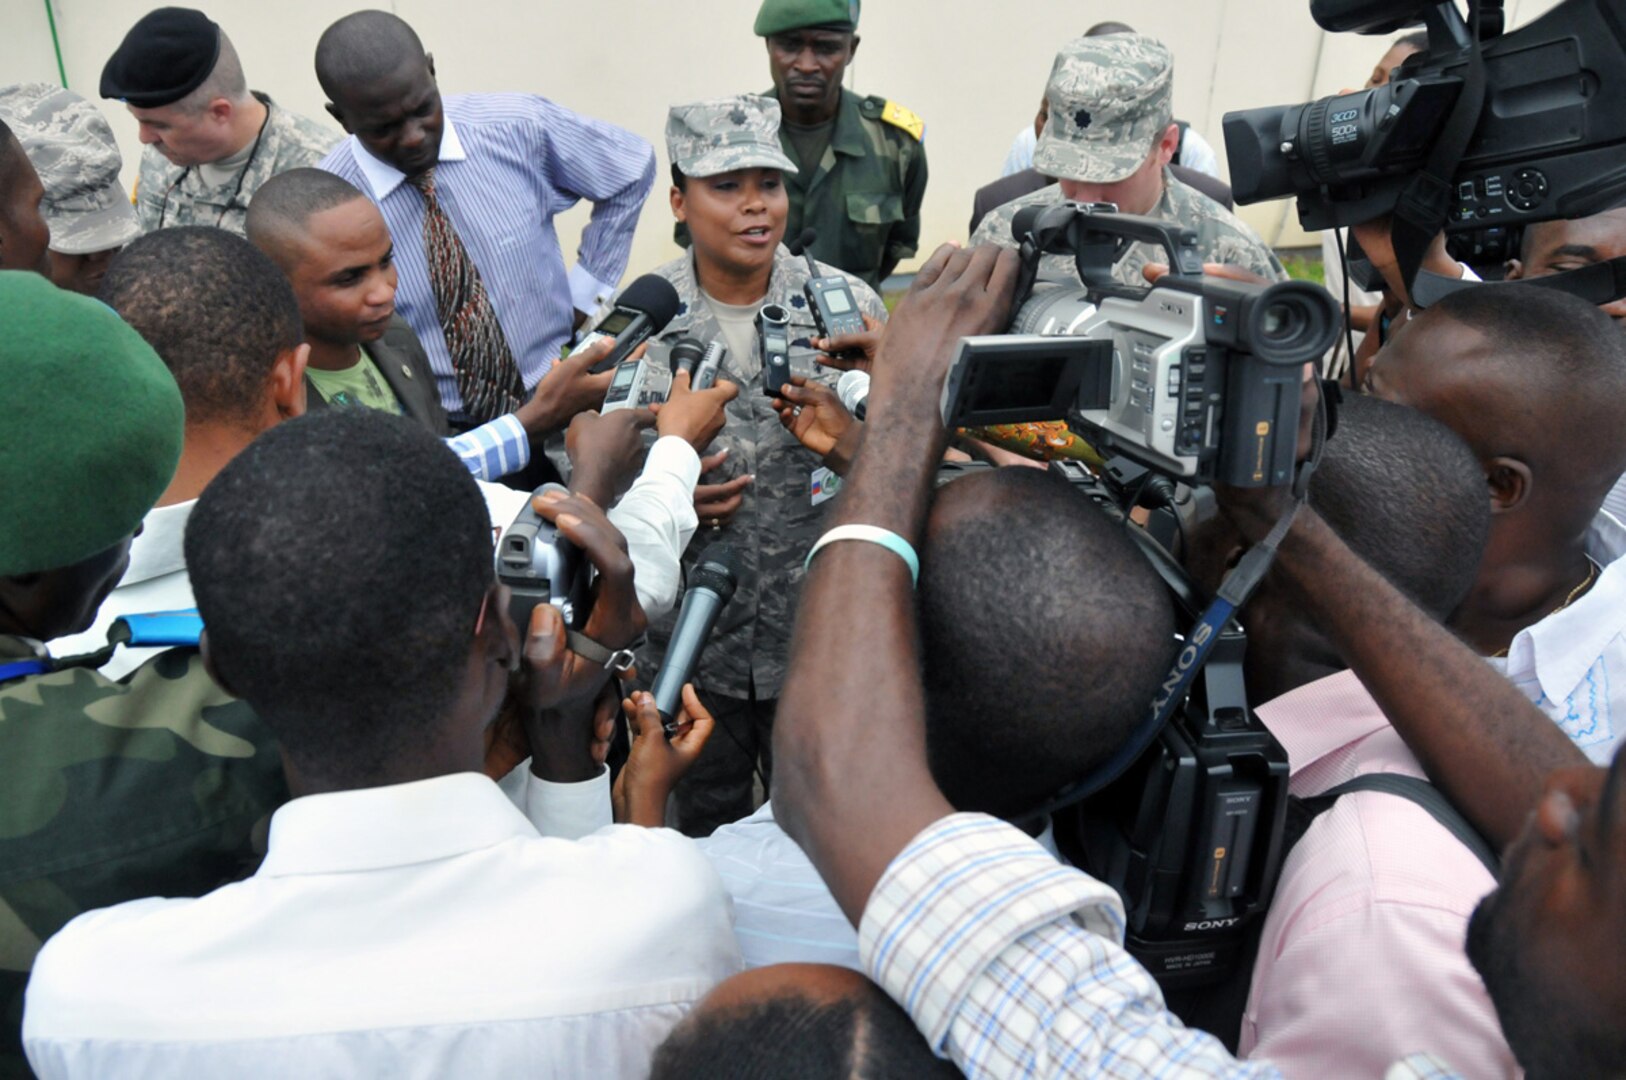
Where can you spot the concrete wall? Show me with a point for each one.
(975, 71)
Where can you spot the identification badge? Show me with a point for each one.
(825, 485)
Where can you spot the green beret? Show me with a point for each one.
(93, 423)
(778, 16)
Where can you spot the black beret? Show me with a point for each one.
(163, 58)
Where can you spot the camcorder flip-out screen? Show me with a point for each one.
(1006, 379)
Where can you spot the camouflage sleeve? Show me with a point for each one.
(150, 190)
(869, 301)
(1244, 249)
(996, 227)
(904, 239)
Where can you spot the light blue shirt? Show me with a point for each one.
(508, 164)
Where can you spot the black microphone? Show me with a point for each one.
(804, 241)
(641, 311)
(711, 585)
(685, 354)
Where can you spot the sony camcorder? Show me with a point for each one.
(1198, 378)
(1533, 108)
(540, 565)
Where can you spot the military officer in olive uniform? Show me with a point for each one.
(1109, 138)
(860, 161)
(764, 496)
(158, 784)
(210, 141)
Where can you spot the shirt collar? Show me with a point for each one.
(384, 178)
(160, 549)
(847, 137)
(1321, 717)
(1561, 648)
(398, 825)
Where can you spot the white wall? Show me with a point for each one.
(975, 71)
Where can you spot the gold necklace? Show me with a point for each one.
(1575, 593)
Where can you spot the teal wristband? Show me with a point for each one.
(872, 534)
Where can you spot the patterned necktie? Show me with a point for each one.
(487, 377)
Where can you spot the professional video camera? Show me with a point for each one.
(1186, 819)
(1196, 377)
(1481, 129)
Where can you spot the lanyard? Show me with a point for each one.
(21, 669)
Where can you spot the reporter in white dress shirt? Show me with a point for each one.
(1012, 621)
(408, 920)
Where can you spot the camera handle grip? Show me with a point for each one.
(1109, 233)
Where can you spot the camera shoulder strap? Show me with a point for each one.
(1425, 202)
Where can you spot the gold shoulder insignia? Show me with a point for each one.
(899, 117)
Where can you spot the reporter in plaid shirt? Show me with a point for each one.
(1010, 963)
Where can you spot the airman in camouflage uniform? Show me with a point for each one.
(781, 514)
(1111, 101)
(862, 195)
(167, 194)
(71, 146)
(179, 74)
(157, 785)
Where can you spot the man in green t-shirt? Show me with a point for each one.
(333, 245)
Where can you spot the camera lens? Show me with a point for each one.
(1292, 322)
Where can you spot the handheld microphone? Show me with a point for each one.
(685, 354)
(641, 311)
(705, 372)
(853, 390)
(803, 241)
(711, 586)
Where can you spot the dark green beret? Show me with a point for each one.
(163, 58)
(778, 16)
(93, 426)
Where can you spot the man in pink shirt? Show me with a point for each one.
(1361, 957)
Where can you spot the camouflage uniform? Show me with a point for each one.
(71, 146)
(1110, 99)
(156, 785)
(778, 520)
(288, 141)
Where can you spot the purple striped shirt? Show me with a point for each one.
(508, 164)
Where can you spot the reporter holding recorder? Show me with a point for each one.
(763, 492)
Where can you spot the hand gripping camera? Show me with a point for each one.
(1196, 378)
(541, 566)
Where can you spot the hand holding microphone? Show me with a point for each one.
(711, 585)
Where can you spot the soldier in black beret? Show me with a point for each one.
(211, 142)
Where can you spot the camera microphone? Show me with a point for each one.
(711, 586)
(804, 241)
(853, 390)
(641, 311)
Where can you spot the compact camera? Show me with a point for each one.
(541, 566)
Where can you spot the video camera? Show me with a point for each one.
(1186, 819)
(540, 565)
(1481, 129)
(1195, 377)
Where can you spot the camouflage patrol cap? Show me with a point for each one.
(717, 136)
(93, 426)
(1110, 97)
(71, 146)
(780, 16)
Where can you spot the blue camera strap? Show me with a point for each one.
(22, 669)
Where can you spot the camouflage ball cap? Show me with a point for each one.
(94, 423)
(1109, 98)
(724, 134)
(71, 146)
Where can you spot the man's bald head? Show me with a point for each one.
(807, 1021)
(364, 48)
(279, 217)
(1525, 375)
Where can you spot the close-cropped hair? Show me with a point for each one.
(287, 201)
(216, 310)
(225, 80)
(339, 563)
(796, 1038)
(1408, 496)
(1044, 633)
(364, 47)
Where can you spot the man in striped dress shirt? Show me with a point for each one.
(496, 168)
